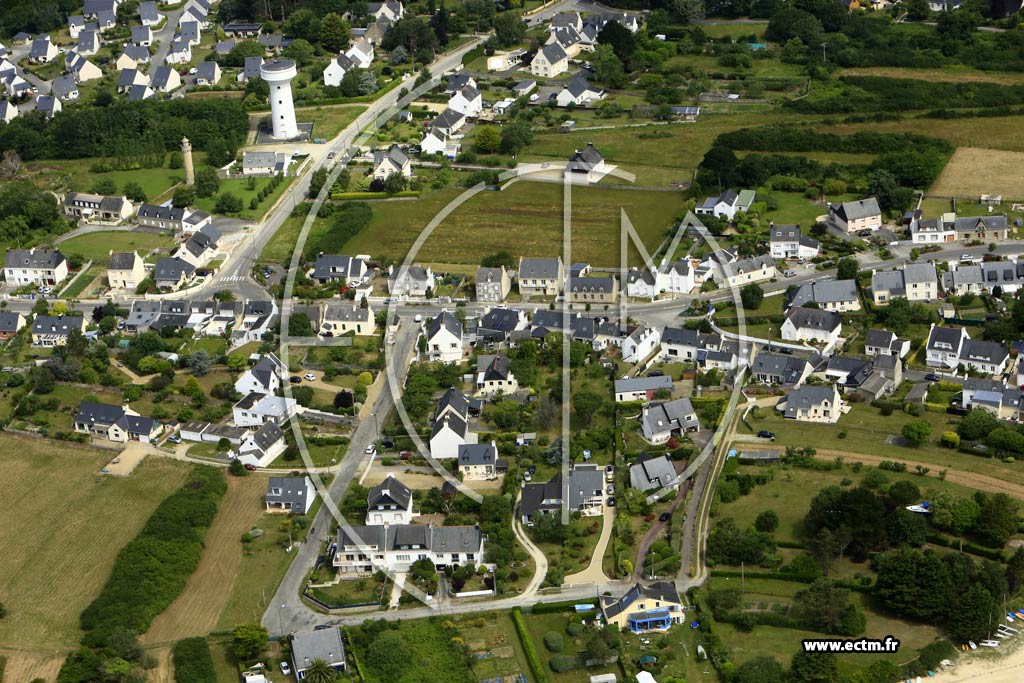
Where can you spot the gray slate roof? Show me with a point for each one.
(538, 268)
(446, 320)
(807, 397)
(477, 454)
(814, 319)
(292, 490)
(389, 492)
(324, 644)
(33, 258)
(643, 384)
(652, 472)
(826, 291)
(670, 416)
(862, 208)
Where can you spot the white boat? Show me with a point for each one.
(1011, 629)
(924, 508)
(990, 643)
(701, 652)
(971, 643)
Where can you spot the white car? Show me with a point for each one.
(193, 71)
(309, 376)
(371, 449)
(418, 318)
(285, 669)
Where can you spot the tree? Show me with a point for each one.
(398, 56)
(977, 424)
(343, 400)
(846, 269)
(395, 183)
(183, 196)
(207, 182)
(104, 186)
(549, 529)
(794, 23)
(825, 607)
(953, 513)
(316, 182)
(814, 667)
(906, 528)
(509, 29)
(368, 82)
(303, 24)
(390, 655)
(133, 191)
(303, 395)
(515, 136)
(917, 10)
(301, 50)
(997, 520)
(334, 33)
(916, 432)
(241, 50)
(619, 38)
(752, 295)
(10, 165)
(761, 669)
(505, 414)
(248, 640)
(585, 404)
(608, 67)
(767, 521)
(200, 362)
(973, 615)
(904, 493)
(320, 671)
(228, 203)
(488, 139)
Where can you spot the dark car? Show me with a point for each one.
(250, 467)
(664, 516)
(611, 502)
(656, 373)
(295, 379)
(321, 627)
(387, 443)
(932, 377)
(532, 469)
(765, 434)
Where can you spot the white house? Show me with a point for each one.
(81, 68)
(119, 424)
(364, 550)
(494, 376)
(944, 346)
(34, 267)
(292, 495)
(389, 502)
(468, 101)
(812, 404)
(43, 51)
(180, 52)
(578, 92)
(414, 281)
(448, 433)
(444, 338)
(480, 462)
(586, 165)
(256, 410)
(260, 448)
(361, 53)
(830, 295)
(640, 343)
(343, 318)
(393, 160)
(658, 421)
(811, 324)
(336, 69)
(727, 204)
(263, 378)
(786, 242)
(885, 343)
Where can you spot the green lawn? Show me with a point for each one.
(240, 188)
(98, 245)
(329, 121)
(795, 208)
(83, 281)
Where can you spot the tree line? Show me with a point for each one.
(215, 126)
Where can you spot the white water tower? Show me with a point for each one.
(278, 75)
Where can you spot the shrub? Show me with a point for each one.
(553, 641)
(950, 440)
(574, 628)
(539, 674)
(562, 663)
(193, 662)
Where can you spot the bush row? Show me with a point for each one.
(802, 139)
(792, 578)
(968, 547)
(151, 571)
(875, 93)
(193, 662)
(540, 675)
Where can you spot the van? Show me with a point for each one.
(790, 273)
(534, 97)
(418, 318)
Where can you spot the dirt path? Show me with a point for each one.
(197, 609)
(972, 480)
(26, 665)
(163, 672)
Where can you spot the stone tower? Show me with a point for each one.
(186, 158)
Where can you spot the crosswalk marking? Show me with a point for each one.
(233, 278)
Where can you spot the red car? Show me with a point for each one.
(405, 455)
(250, 467)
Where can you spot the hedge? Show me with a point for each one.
(373, 195)
(792, 578)
(556, 607)
(968, 547)
(193, 662)
(540, 675)
(151, 571)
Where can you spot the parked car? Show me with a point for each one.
(790, 273)
(330, 155)
(309, 376)
(664, 516)
(932, 377)
(611, 502)
(174, 438)
(285, 669)
(405, 455)
(371, 449)
(527, 476)
(295, 379)
(250, 467)
(765, 434)
(656, 373)
(610, 490)
(417, 318)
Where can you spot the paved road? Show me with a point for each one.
(287, 608)
(166, 36)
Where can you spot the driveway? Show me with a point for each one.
(594, 573)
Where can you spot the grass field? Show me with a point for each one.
(973, 172)
(525, 219)
(198, 608)
(956, 74)
(81, 282)
(329, 121)
(76, 174)
(868, 432)
(240, 188)
(61, 539)
(997, 132)
(97, 245)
